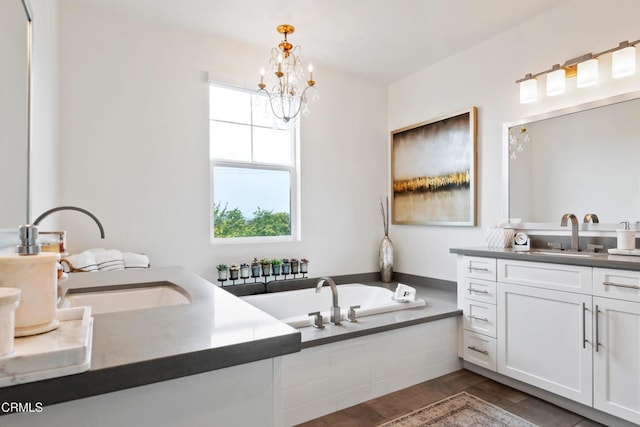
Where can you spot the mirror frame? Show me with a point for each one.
(552, 114)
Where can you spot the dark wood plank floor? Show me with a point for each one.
(390, 406)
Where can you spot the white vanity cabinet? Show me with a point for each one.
(616, 367)
(548, 319)
(477, 298)
(543, 339)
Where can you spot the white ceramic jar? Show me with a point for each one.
(9, 300)
(37, 277)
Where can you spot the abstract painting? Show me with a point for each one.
(433, 171)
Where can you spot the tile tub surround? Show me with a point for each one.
(134, 348)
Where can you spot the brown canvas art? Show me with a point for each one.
(434, 171)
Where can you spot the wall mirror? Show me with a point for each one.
(15, 85)
(579, 160)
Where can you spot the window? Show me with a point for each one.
(254, 168)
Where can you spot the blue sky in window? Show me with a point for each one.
(248, 189)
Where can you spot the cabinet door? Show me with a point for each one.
(617, 358)
(542, 339)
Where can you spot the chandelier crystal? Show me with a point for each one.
(286, 78)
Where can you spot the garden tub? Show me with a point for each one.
(292, 307)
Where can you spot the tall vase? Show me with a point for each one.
(386, 259)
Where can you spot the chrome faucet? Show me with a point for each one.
(575, 240)
(335, 308)
(70, 208)
(591, 218)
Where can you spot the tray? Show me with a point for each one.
(63, 351)
(633, 252)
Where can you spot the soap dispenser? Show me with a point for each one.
(626, 237)
(36, 275)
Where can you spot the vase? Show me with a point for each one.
(386, 259)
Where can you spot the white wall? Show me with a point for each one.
(134, 147)
(485, 76)
(45, 182)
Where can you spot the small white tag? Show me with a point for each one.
(405, 293)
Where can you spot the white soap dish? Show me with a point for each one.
(63, 351)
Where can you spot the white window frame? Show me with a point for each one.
(294, 184)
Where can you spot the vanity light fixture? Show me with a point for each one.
(585, 68)
(286, 73)
(623, 61)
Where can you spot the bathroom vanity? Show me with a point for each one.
(567, 324)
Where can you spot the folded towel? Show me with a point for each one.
(108, 259)
(405, 293)
(84, 261)
(132, 260)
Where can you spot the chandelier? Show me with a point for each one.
(285, 96)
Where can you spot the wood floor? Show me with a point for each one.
(390, 406)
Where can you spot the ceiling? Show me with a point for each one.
(381, 40)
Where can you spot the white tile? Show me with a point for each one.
(305, 374)
(351, 397)
(304, 394)
(349, 380)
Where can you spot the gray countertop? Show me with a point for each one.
(602, 260)
(133, 348)
(216, 330)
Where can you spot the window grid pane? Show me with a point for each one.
(249, 199)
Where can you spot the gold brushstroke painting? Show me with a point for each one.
(433, 167)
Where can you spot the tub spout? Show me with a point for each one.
(335, 308)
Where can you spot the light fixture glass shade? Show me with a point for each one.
(556, 82)
(587, 73)
(623, 62)
(528, 91)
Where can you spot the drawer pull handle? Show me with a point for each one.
(621, 285)
(472, 268)
(484, 319)
(584, 325)
(472, 348)
(477, 291)
(597, 340)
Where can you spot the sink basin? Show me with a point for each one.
(139, 296)
(567, 253)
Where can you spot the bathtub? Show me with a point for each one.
(292, 307)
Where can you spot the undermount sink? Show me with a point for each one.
(138, 296)
(566, 253)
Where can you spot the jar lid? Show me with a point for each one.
(9, 295)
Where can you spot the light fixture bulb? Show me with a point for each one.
(556, 82)
(587, 73)
(623, 62)
(528, 91)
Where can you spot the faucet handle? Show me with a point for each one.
(317, 320)
(594, 248)
(351, 316)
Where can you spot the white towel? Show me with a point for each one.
(405, 293)
(84, 261)
(132, 260)
(108, 259)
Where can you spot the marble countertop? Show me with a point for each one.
(134, 348)
(602, 260)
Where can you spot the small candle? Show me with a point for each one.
(310, 71)
(262, 75)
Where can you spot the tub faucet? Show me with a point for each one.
(70, 208)
(575, 240)
(335, 308)
(591, 218)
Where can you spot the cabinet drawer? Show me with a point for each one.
(620, 284)
(479, 290)
(479, 350)
(571, 278)
(479, 317)
(479, 267)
